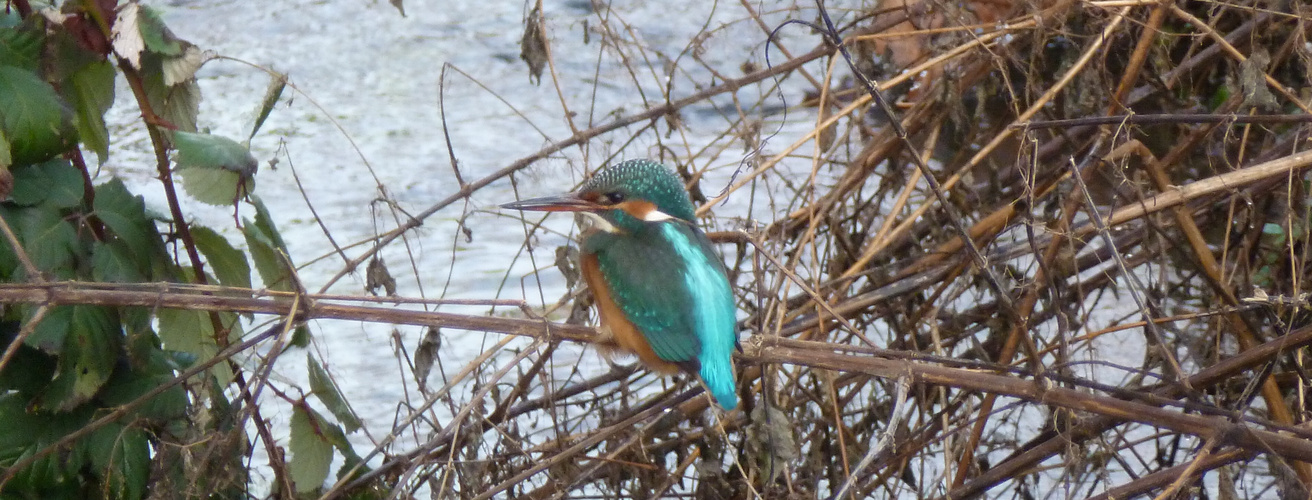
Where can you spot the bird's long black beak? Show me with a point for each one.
(561, 203)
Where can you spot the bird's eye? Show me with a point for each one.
(615, 197)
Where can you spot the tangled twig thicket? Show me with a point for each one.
(1132, 177)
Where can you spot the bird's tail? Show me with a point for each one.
(717, 374)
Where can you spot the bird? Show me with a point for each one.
(661, 291)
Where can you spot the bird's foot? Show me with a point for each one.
(605, 335)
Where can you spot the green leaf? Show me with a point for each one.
(35, 119)
(226, 262)
(121, 457)
(29, 370)
(9, 265)
(6, 159)
(91, 94)
(130, 224)
(216, 187)
(124, 215)
(49, 334)
(267, 249)
(87, 361)
(311, 451)
(24, 433)
(50, 241)
(215, 169)
(55, 183)
(177, 104)
(20, 44)
(114, 262)
(157, 36)
(267, 259)
(21, 427)
(213, 152)
(193, 333)
(300, 336)
(187, 331)
(271, 95)
(128, 385)
(323, 387)
(265, 224)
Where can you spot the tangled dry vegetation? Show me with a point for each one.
(1127, 317)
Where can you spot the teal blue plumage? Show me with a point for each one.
(687, 311)
(665, 275)
(659, 270)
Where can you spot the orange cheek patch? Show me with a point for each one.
(637, 208)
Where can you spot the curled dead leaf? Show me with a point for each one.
(533, 46)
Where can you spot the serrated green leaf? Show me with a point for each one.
(37, 123)
(20, 45)
(264, 222)
(87, 361)
(226, 262)
(24, 433)
(55, 183)
(215, 169)
(177, 104)
(128, 385)
(91, 92)
(332, 433)
(323, 387)
(182, 68)
(300, 336)
(311, 452)
(114, 262)
(50, 241)
(271, 95)
(124, 215)
(193, 333)
(216, 187)
(181, 104)
(267, 249)
(209, 151)
(120, 456)
(267, 259)
(158, 38)
(49, 334)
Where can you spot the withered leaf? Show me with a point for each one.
(533, 46)
(377, 276)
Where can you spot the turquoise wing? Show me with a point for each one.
(672, 286)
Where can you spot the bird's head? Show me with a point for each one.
(625, 197)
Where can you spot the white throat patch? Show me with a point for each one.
(596, 221)
(656, 216)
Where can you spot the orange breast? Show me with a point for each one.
(624, 332)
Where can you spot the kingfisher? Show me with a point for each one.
(661, 291)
